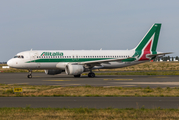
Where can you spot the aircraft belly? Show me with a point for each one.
(41, 65)
(48, 65)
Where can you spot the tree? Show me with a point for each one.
(168, 58)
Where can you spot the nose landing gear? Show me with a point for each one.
(30, 74)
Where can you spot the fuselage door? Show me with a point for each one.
(33, 56)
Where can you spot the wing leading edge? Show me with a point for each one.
(107, 61)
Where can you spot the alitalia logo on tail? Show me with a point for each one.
(52, 54)
(148, 44)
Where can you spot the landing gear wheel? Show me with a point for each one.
(77, 75)
(30, 74)
(91, 75)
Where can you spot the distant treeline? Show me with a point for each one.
(3, 62)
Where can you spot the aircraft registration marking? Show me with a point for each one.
(118, 79)
(56, 80)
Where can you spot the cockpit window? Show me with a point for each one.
(15, 56)
(19, 56)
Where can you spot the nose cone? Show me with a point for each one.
(10, 63)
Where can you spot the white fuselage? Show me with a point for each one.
(58, 59)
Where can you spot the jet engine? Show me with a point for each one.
(52, 72)
(74, 69)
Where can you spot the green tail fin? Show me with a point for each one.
(151, 36)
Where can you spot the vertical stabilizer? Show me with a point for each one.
(148, 44)
(151, 35)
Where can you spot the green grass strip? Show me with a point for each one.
(86, 91)
(88, 113)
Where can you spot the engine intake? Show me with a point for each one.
(52, 72)
(74, 69)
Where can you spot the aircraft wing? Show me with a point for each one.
(106, 61)
(155, 55)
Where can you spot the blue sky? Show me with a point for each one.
(85, 24)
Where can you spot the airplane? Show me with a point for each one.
(75, 62)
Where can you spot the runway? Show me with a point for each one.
(101, 80)
(90, 102)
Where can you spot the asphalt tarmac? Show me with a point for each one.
(101, 80)
(90, 102)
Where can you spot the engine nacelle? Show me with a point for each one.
(74, 69)
(52, 72)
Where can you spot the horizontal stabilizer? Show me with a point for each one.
(153, 55)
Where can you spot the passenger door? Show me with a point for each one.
(33, 57)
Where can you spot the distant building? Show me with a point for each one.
(166, 58)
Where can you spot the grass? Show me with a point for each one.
(88, 113)
(148, 66)
(87, 91)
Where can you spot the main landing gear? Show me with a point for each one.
(91, 74)
(30, 74)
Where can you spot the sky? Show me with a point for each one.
(85, 25)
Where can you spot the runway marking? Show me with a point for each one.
(151, 83)
(117, 79)
(56, 80)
